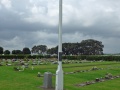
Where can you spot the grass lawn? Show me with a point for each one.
(28, 80)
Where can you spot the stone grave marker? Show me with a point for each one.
(47, 80)
(39, 74)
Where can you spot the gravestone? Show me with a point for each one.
(8, 64)
(47, 83)
(38, 74)
(97, 79)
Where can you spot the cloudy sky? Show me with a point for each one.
(25, 23)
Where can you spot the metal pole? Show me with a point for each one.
(59, 72)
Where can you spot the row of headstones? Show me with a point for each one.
(78, 71)
(108, 76)
(38, 61)
(22, 68)
(17, 60)
(21, 62)
(72, 61)
(76, 61)
(66, 61)
(93, 69)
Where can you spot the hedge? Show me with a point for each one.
(75, 57)
(20, 56)
(93, 57)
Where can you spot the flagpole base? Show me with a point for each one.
(59, 77)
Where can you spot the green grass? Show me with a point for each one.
(28, 80)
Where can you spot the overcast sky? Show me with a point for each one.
(25, 23)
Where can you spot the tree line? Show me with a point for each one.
(25, 50)
(85, 47)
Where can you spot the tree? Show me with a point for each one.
(92, 47)
(6, 52)
(16, 52)
(1, 50)
(72, 49)
(68, 49)
(86, 47)
(26, 51)
(40, 49)
(53, 50)
(34, 49)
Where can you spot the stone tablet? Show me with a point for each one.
(47, 80)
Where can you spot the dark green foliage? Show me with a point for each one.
(26, 51)
(86, 47)
(93, 57)
(6, 52)
(17, 52)
(72, 49)
(73, 57)
(40, 49)
(1, 50)
(53, 50)
(116, 58)
(92, 47)
(21, 56)
(68, 49)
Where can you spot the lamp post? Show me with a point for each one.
(59, 72)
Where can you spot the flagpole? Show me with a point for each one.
(59, 72)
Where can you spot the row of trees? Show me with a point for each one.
(24, 51)
(86, 47)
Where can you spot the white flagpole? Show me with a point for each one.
(59, 72)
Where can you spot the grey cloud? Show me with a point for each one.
(82, 19)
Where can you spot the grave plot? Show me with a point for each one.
(107, 77)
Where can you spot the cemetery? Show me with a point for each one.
(21, 74)
(72, 64)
